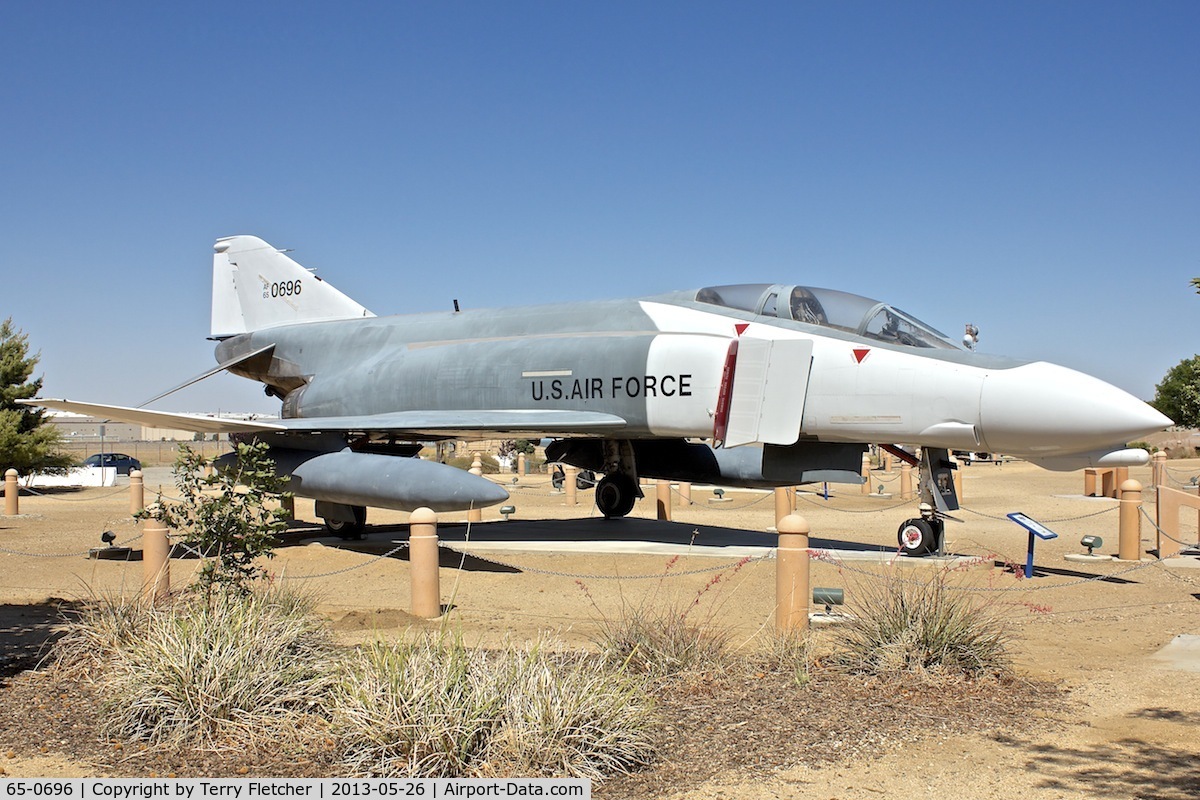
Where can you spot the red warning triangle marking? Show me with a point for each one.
(860, 353)
(741, 327)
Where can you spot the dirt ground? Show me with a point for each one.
(1128, 727)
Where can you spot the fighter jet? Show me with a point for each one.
(745, 385)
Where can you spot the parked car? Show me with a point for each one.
(124, 464)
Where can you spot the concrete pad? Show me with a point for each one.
(1181, 653)
(1182, 562)
(1084, 558)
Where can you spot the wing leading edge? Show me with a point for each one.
(411, 424)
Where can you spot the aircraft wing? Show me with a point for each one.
(466, 423)
(410, 424)
(159, 419)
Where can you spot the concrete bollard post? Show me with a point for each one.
(137, 492)
(12, 506)
(662, 499)
(1129, 546)
(1158, 468)
(958, 482)
(906, 487)
(685, 494)
(522, 465)
(476, 514)
(791, 575)
(886, 461)
(783, 505)
(569, 485)
(866, 473)
(156, 565)
(423, 564)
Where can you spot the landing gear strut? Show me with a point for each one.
(618, 490)
(925, 534)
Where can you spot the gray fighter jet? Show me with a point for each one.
(749, 385)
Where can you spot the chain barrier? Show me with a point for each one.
(1164, 534)
(1057, 519)
(49, 496)
(808, 499)
(824, 556)
(1192, 478)
(85, 553)
(350, 568)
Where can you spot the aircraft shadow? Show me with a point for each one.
(619, 531)
(26, 632)
(573, 534)
(1041, 572)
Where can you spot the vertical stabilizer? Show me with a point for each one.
(256, 286)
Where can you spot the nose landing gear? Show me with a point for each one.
(921, 535)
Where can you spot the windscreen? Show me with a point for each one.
(829, 308)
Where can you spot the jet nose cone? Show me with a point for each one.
(1042, 409)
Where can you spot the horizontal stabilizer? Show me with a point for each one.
(262, 352)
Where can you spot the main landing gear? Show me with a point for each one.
(346, 522)
(616, 494)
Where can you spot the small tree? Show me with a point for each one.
(225, 516)
(1178, 396)
(27, 442)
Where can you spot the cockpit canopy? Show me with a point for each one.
(828, 308)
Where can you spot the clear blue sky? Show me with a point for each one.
(1033, 168)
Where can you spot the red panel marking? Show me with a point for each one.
(721, 415)
(861, 353)
(741, 327)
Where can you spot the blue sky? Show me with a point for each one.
(1032, 168)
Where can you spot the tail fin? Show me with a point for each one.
(256, 286)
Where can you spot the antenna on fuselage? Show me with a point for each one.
(456, 305)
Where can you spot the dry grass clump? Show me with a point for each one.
(905, 627)
(433, 707)
(216, 671)
(663, 636)
(206, 672)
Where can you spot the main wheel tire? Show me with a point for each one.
(344, 529)
(615, 495)
(916, 537)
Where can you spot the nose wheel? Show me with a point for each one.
(920, 536)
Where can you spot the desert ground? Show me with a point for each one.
(1126, 723)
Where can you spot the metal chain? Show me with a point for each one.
(901, 504)
(74, 499)
(64, 555)
(1161, 532)
(350, 568)
(1059, 519)
(842, 565)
